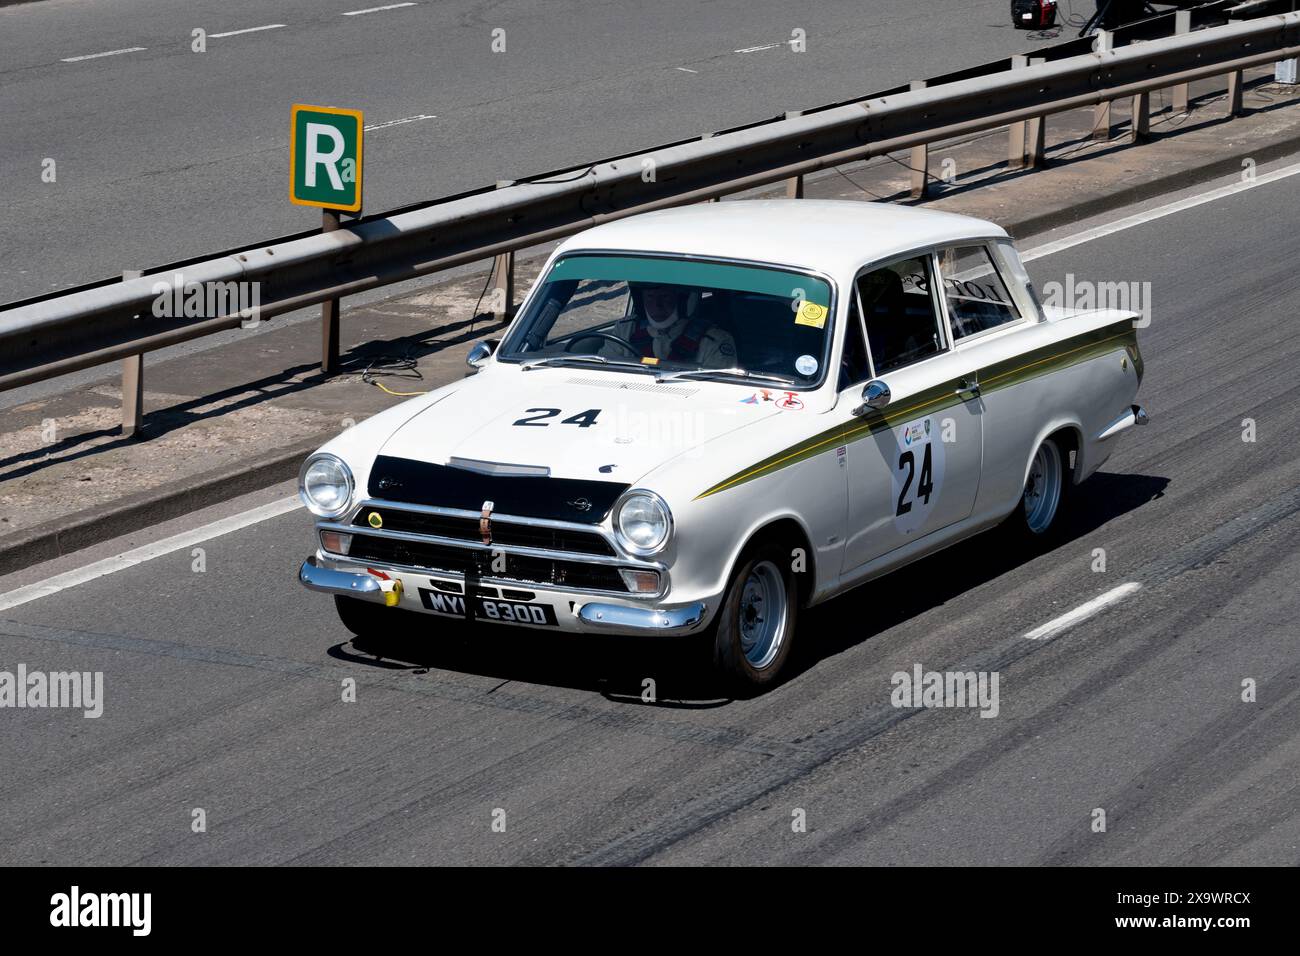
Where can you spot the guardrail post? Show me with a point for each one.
(704, 136)
(1182, 24)
(1141, 131)
(1016, 131)
(132, 383)
(1036, 132)
(329, 311)
(503, 277)
(794, 185)
(920, 160)
(1234, 93)
(1103, 43)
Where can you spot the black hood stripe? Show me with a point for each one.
(558, 499)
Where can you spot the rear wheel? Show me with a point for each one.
(755, 627)
(1046, 487)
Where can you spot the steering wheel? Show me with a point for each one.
(610, 336)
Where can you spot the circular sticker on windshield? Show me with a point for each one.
(805, 365)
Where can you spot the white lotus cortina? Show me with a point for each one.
(707, 418)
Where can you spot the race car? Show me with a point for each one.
(706, 419)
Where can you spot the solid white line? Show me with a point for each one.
(1083, 611)
(1159, 212)
(96, 56)
(391, 6)
(148, 552)
(235, 33)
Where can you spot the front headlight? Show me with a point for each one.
(643, 522)
(325, 485)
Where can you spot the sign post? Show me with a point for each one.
(325, 161)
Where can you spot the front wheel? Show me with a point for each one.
(755, 628)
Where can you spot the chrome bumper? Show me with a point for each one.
(1135, 415)
(617, 617)
(365, 587)
(593, 616)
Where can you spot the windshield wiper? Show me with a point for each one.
(728, 372)
(593, 359)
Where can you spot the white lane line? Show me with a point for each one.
(148, 552)
(96, 56)
(1083, 611)
(399, 122)
(1159, 212)
(391, 6)
(755, 49)
(684, 70)
(235, 33)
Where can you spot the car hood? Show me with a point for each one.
(579, 424)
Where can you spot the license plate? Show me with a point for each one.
(490, 609)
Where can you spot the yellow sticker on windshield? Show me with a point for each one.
(810, 313)
(649, 361)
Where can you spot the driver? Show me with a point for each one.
(661, 327)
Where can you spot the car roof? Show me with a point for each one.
(824, 235)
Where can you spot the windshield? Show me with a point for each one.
(671, 315)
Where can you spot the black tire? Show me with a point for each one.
(1028, 523)
(374, 623)
(747, 670)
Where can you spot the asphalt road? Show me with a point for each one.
(164, 153)
(223, 689)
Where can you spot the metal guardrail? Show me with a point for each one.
(61, 333)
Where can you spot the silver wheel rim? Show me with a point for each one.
(1043, 488)
(762, 614)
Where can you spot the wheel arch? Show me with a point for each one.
(1068, 434)
(784, 530)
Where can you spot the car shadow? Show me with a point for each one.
(877, 606)
(674, 672)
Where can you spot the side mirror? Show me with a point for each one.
(875, 394)
(480, 352)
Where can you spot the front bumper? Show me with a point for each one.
(365, 587)
(574, 611)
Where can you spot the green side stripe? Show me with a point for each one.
(992, 378)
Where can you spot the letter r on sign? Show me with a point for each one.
(316, 158)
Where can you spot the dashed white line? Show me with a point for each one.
(127, 559)
(684, 70)
(1083, 611)
(391, 6)
(399, 122)
(235, 33)
(755, 49)
(96, 56)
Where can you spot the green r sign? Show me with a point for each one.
(325, 157)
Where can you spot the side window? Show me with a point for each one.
(853, 366)
(899, 310)
(977, 297)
